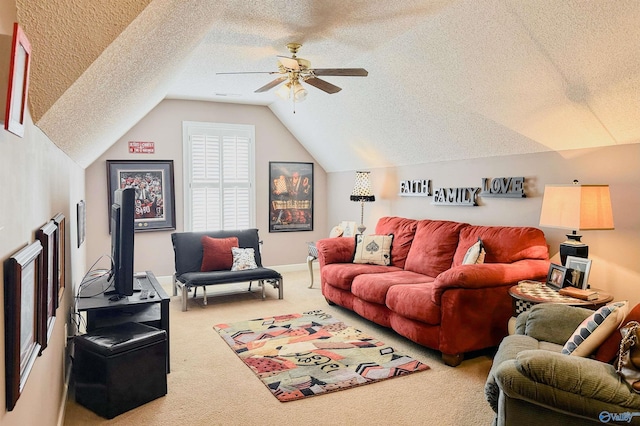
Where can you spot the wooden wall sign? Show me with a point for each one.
(415, 188)
(507, 187)
(138, 147)
(455, 196)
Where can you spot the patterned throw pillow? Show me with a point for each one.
(373, 249)
(595, 329)
(243, 259)
(475, 254)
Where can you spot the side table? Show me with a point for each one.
(530, 293)
(313, 255)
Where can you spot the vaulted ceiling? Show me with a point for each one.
(447, 79)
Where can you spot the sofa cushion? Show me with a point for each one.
(475, 254)
(433, 247)
(595, 329)
(341, 275)
(374, 287)
(403, 231)
(373, 249)
(504, 244)
(243, 259)
(216, 253)
(414, 301)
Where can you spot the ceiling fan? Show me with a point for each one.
(292, 71)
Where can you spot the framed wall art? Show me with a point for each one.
(153, 182)
(23, 310)
(47, 236)
(291, 196)
(60, 246)
(556, 276)
(578, 271)
(18, 82)
(81, 211)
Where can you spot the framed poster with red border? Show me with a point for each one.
(18, 82)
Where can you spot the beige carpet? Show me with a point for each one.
(440, 396)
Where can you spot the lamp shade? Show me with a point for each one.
(362, 188)
(577, 207)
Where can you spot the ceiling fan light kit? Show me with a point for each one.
(292, 71)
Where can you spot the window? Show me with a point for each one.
(218, 176)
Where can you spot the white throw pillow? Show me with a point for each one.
(243, 258)
(475, 254)
(373, 249)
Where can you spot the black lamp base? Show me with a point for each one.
(573, 247)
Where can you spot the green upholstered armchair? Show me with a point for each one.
(532, 383)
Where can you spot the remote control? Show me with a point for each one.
(144, 294)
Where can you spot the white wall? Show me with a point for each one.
(39, 181)
(163, 125)
(615, 254)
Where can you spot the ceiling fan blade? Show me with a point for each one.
(272, 84)
(344, 72)
(289, 63)
(323, 85)
(249, 72)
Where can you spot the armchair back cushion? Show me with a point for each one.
(503, 244)
(433, 247)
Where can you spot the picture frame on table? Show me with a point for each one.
(155, 194)
(290, 196)
(578, 271)
(556, 276)
(23, 310)
(349, 228)
(16, 102)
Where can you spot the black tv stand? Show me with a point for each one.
(102, 311)
(137, 287)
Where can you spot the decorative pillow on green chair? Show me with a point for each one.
(373, 249)
(595, 329)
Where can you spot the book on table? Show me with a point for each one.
(579, 293)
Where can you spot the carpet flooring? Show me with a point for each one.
(302, 355)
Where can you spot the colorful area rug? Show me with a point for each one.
(302, 355)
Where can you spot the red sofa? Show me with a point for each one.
(427, 294)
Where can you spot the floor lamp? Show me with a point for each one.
(362, 193)
(579, 208)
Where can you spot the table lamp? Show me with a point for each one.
(362, 193)
(579, 208)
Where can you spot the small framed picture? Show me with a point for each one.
(348, 228)
(578, 271)
(556, 276)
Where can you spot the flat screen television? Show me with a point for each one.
(121, 280)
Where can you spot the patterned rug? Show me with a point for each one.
(302, 355)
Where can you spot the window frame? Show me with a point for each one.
(194, 127)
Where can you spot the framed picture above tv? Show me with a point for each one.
(153, 184)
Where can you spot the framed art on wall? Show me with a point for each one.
(291, 196)
(153, 182)
(18, 82)
(81, 211)
(23, 310)
(60, 245)
(49, 288)
(578, 271)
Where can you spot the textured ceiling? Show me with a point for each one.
(447, 79)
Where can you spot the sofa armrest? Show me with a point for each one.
(335, 250)
(573, 385)
(489, 275)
